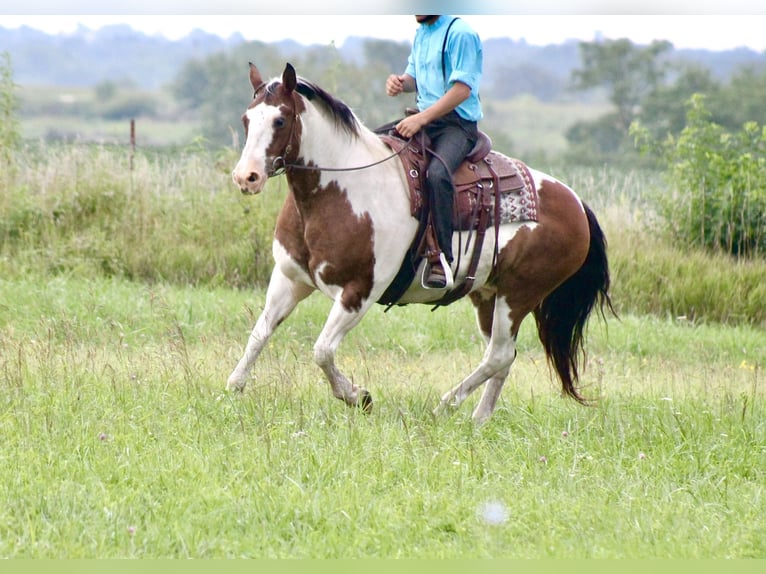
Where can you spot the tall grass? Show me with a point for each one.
(165, 217)
(176, 218)
(653, 274)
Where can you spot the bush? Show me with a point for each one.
(10, 134)
(716, 183)
(171, 218)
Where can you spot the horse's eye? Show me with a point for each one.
(279, 123)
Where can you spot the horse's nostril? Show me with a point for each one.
(253, 177)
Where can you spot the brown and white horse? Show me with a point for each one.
(344, 231)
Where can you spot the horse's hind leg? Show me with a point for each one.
(485, 308)
(494, 367)
(282, 296)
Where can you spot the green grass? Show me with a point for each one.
(80, 114)
(127, 295)
(120, 442)
(149, 132)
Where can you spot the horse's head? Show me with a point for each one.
(272, 130)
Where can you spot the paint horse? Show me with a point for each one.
(346, 225)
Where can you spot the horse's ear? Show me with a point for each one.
(289, 81)
(255, 77)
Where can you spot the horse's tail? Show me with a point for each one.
(562, 315)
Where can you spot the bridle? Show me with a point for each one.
(279, 165)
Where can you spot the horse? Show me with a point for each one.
(346, 225)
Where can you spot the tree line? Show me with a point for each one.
(643, 83)
(706, 136)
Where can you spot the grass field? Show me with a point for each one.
(127, 294)
(118, 440)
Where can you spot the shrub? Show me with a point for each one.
(10, 134)
(171, 218)
(716, 183)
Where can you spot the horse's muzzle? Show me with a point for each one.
(249, 182)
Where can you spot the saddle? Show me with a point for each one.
(490, 189)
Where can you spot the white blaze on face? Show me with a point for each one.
(250, 173)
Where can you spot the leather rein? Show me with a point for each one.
(279, 165)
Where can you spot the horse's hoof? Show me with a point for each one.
(234, 386)
(365, 401)
(445, 407)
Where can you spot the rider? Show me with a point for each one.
(444, 67)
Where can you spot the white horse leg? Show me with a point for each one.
(282, 296)
(489, 397)
(500, 353)
(339, 322)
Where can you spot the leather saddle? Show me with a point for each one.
(482, 182)
(490, 189)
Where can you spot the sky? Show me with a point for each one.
(700, 24)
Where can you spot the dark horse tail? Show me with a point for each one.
(562, 315)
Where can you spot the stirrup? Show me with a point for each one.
(448, 277)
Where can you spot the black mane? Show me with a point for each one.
(342, 115)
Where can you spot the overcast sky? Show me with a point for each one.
(711, 24)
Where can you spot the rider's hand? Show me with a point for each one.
(410, 125)
(394, 85)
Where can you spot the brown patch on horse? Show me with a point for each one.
(320, 229)
(287, 133)
(289, 233)
(485, 309)
(524, 274)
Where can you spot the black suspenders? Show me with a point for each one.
(444, 50)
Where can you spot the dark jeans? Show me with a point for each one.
(452, 139)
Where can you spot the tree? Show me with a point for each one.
(629, 72)
(217, 89)
(664, 110)
(392, 56)
(742, 100)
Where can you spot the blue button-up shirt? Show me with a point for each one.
(462, 63)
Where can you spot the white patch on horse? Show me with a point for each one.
(329, 289)
(462, 257)
(287, 265)
(379, 191)
(259, 136)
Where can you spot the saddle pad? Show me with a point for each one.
(475, 184)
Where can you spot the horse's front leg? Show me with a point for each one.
(282, 296)
(489, 397)
(340, 321)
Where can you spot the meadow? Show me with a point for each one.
(128, 287)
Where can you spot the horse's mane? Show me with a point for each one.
(341, 114)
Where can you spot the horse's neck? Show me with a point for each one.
(352, 172)
(325, 145)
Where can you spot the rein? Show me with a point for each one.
(280, 169)
(280, 166)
